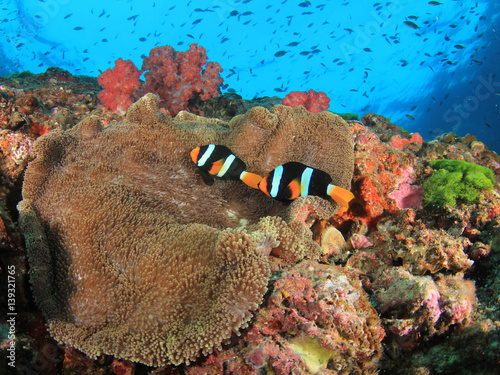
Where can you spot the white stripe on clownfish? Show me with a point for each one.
(227, 163)
(305, 181)
(275, 185)
(329, 189)
(206, 155)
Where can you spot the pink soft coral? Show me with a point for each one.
(177, 76)
(119, 83)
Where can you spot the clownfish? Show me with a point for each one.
(292, 180)
(219, 161)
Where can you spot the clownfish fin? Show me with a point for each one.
(195, 153)
(294, 189)
(216, 167)
(263, 186)
(207, 178)
(339, 195)
(251, 179)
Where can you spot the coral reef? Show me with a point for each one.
(119, 84)
(455, 180)
(311, 100)
(413, 260)
(333, 326)
(399, 142)
(419, 249)
(431, 275)
(407, 195)
(384, 177)
(417, 305)
(30, 106)
(175, 286)
(317, 320)
(468, 148)
(392, 134)
(179, 76)
(15, 154)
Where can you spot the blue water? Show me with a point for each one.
(441, 70)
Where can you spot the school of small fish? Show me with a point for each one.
(301, 32)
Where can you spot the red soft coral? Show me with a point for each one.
(313, 101)
(119, 83)
(399, 142)
(177, 76)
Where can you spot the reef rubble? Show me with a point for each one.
(392, 285)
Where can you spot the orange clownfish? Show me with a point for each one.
(219, 161)
(292, 180)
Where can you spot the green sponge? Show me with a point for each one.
(455, 180)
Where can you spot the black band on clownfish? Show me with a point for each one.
(292, 180)
(219, 161)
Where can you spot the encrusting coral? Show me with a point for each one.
(418, 305)
(132, 255)
(318, 321)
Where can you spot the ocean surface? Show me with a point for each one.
(430, 66)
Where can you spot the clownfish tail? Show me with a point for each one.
(251, 179)
(339, 195)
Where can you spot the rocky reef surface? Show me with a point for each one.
(404, 282)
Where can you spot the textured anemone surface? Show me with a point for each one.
(266, 139)
(132, 255)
